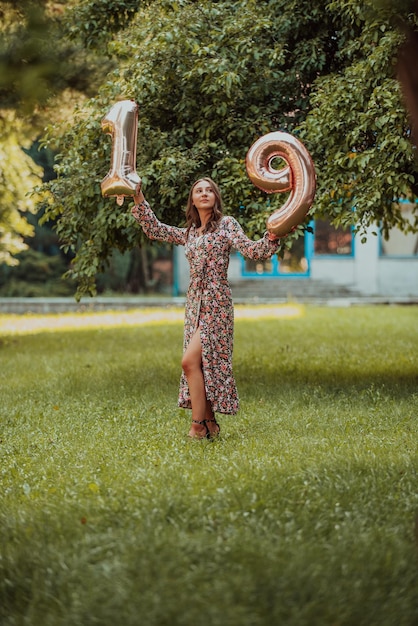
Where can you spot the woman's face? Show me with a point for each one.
(203, 195)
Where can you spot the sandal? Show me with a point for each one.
(206, 435)
(214, 434)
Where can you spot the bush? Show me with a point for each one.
(37, 275)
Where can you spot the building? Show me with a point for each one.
(329, 262)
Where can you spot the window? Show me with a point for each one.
(332, 240)
(294, 260)
(399, 243)
(294, 263)
(258, 266)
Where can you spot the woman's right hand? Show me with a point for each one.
(139, 196)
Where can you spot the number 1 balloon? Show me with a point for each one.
(298, 177)
(122, 124)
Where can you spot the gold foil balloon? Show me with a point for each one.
(122, 124)
(298, 177)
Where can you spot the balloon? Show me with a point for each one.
(122, 124)
(298, 177)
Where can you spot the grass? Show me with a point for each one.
(303, 513)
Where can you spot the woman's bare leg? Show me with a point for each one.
(192, 367)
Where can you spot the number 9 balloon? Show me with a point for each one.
(298, 177)
(122, 124)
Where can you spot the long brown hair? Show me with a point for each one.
(192, 215)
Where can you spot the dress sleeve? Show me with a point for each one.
(262, 249)
(154, 229)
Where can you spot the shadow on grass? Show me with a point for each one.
(146, 360)
(325, 544)
(302, 513)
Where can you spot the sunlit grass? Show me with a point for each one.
(13, 324)
(302, 513)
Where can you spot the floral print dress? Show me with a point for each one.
(209, 303)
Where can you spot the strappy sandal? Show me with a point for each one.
(209, 434)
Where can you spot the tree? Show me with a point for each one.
(210, 78)
(358, 128)
(204, 74)
(18, 174)
(38, 57)
(37, 65)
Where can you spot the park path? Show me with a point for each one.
(23, 324)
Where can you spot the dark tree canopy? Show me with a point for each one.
(210, 78)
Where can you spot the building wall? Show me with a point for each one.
(398, 277)
(366, 272)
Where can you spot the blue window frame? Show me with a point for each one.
(295, 264)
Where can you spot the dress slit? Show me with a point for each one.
(209, 305)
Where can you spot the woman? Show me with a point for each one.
(207, 384)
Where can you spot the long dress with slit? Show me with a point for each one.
(209, 304)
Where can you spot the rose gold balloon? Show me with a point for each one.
(298, 177)
(122, 124)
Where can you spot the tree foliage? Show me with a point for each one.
(38, 60)
(358, 128)
(210, 78)
(41, 71)
(18, 173)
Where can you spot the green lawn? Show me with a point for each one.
(303, 512)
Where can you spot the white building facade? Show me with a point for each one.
(328, 257)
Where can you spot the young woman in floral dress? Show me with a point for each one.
(207, 384)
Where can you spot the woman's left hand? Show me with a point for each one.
(272, 237)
